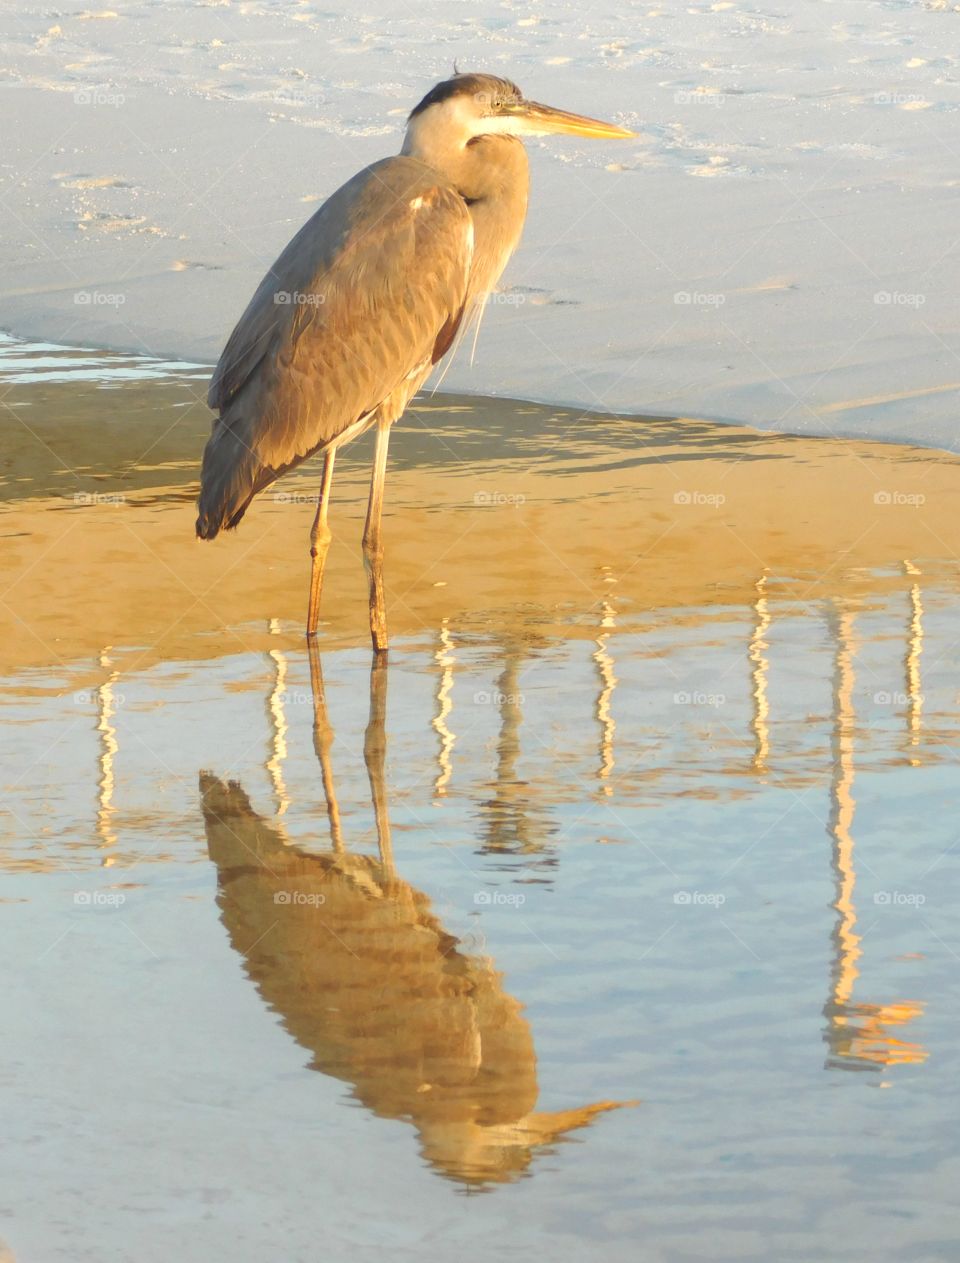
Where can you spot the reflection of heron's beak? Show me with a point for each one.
(539, 119)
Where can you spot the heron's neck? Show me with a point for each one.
(488, 167)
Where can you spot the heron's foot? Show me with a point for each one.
(378, 632)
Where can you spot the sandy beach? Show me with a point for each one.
(778, 247)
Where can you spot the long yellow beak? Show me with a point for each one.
(544, 119)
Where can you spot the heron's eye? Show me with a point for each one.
(502, 102)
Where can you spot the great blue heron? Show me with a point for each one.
(367, 297)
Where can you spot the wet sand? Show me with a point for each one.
(493, 509)
(613, 913)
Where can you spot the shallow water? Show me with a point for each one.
(611, 915)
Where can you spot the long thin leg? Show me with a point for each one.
(319, 543)
(322, 741)
(373, 544)
(375, 754)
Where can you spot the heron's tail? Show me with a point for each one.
(231, 476)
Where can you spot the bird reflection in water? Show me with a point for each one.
(860, 1036)
(366, 978)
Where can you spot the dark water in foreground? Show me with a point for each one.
(613, 915)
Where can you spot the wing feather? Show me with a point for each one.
(358, 307)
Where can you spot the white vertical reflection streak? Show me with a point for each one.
(106, 709)
(278, 723)
(608, 682)
(760, 675)
(912, 662)
(842, 808)
(445, 660)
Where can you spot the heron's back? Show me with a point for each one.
(346, 324)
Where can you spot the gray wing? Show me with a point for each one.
(358, 307)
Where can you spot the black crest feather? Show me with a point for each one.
(468, 84)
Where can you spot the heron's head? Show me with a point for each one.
(470, 105)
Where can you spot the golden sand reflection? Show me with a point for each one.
(860, 1035)
(365, 977)
(808, 505)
